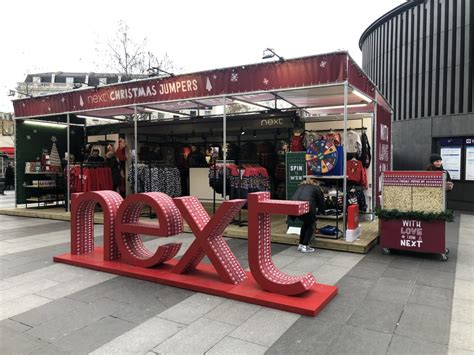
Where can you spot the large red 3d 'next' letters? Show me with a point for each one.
(122, 229)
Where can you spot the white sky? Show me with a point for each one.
(50, 36)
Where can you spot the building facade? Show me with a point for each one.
(49, 83)
(420, 55)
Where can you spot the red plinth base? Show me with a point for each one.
(205, 279)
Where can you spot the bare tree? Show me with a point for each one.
(129, 56)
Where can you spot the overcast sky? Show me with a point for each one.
(50, 36)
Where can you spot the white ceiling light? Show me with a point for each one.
(46, 124)
(361, 95)
(147, 109)
(334, 107)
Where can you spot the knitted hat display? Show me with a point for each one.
(435, 157)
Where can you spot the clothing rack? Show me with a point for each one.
(215, 176)
(241, 167)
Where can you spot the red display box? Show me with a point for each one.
(413, 235)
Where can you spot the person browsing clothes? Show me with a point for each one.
(436, 164)
(309, 191)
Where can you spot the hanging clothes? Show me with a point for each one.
(216, 177)
(334, 137)
(156, 179)
(354, 144)
(84, 178)
(296, 143)
(366, 157)
(356, 172)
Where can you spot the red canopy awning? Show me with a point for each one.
(10, 151)
(301, 83)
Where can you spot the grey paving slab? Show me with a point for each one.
(356, 340)
(381, 316)
(92, 293)
(306, 336)
(401, 345)
(424, 322)
(435, 263)
(377, 256)
(283, 260)
(230, 345)
(464, 289)
(28, 231)
(340, 309)
(345, 259)
(48, 312)
(405, 262)
(355, 286)
(306, 264)
(25, 267)
(436, 279)
(197, 338)
(368, 270)
(15, 342)
(93, 335)
(463, 310)
(59, 327)
(274, 322)
(456, 351)
(233, 312)
(14, 325)
(432, 296)
(327, 274)
(392, 291)
(141, 338)
(462, 336)
(20, 305)
(79, 283)
(192, 308)
(400, 274)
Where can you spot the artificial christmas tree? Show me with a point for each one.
(55, 160)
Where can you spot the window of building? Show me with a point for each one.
(36, 79)
(207, 112)
(193, 112)
(69, 80)
(102, 81)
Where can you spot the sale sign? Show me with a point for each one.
(124, 252)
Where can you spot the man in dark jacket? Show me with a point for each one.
(309, 191)
(9, 176)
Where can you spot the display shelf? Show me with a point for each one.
(39, 199)
(41, 187)
(44, 187)
(43, 173)
(322, 216)
(332, 177)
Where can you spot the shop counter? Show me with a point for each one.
(199, 185)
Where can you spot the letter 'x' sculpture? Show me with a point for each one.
(122, 227)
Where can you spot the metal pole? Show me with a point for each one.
(14, 158)
(224, 150)
(135, 155)
(344, 159)
(68, 174)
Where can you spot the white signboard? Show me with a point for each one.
(452, 161)
(470, 163)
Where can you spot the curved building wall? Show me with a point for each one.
(420, 55)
